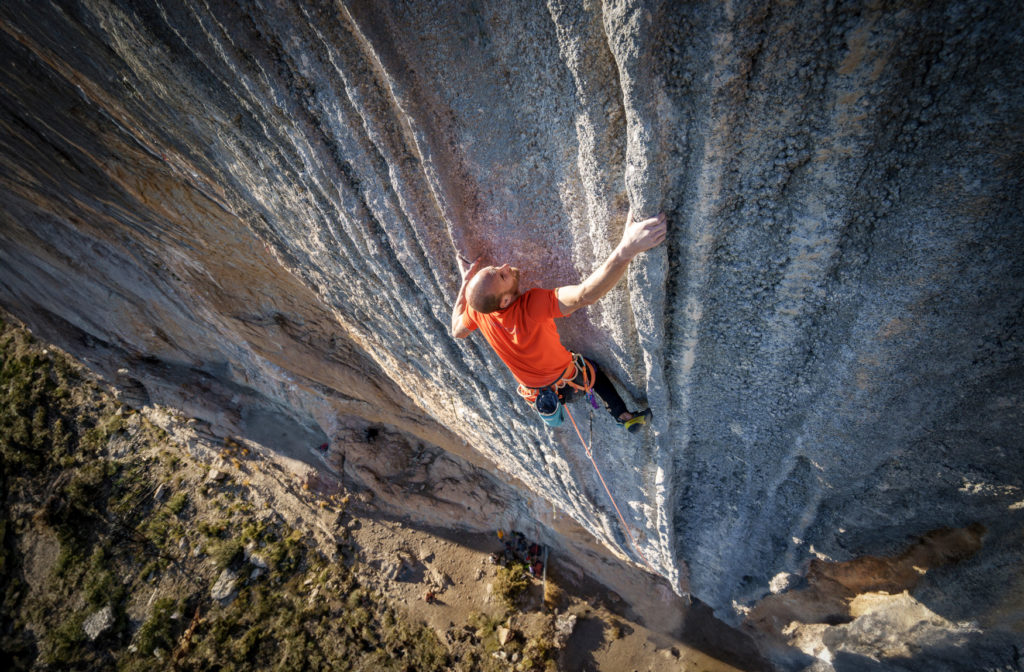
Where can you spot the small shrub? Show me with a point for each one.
(510, 582)
(87, 485)
(177, 503)
(69, 560)
(170, 459)
(553, 596)
(226, 553)
(66, 639)
(151, 568)
(3, 547)
(215, 529)
(483, 624)
(158, 630)
(286, 555)
(96, 438)
(99, 585)
(541, 652)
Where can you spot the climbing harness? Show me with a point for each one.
(590, 454)
(548, 400)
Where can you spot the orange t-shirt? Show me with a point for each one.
(524, 335)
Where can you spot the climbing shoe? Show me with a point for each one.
(639, 419)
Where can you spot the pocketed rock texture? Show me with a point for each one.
(251, 211)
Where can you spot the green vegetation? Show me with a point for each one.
(158, 631)
(280, 627)
(99, 585)
(510, 583)
(53, 425)
(177, 503)
(65, 639)
(536, 653)
(110, 543)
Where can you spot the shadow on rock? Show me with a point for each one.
(587, 637)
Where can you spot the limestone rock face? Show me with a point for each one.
(251, 211)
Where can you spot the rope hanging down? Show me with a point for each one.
(586, 448)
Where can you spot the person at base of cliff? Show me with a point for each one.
(520, 326)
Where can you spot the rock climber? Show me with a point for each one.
(520, 326)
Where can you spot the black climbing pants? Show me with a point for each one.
(603, 388)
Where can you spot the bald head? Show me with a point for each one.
(493, 288)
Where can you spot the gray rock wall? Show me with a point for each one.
(252, 210)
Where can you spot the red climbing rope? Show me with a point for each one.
(586, 448)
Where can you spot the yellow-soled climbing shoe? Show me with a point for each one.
(639, 419)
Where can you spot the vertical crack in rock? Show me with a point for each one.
(631, 34)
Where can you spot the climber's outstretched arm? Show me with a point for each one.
(637, 237)
(458, 330)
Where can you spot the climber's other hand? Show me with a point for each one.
(467, 269)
